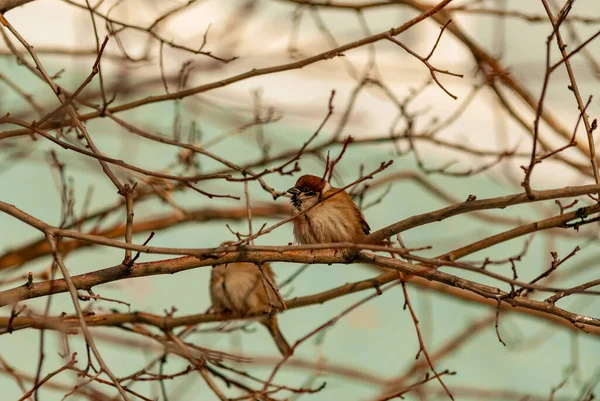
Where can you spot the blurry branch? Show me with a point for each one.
(126, 189)
(416, 386)
(80, 317)
(451, 346)
(425, 60)
(297, 362)
(6, 5)
(49, 376)
(493, 70)
(589, 128)
(240, 77)
(465, 9)
(34, 250)
(422, 347)
(26, 96)
(589, 57)
(327, 324)
(475, 393)
(512, 111)
(150, 31)
(66, 103)
(68, 52)
(10, 371)
(173, 11)
(89, 393)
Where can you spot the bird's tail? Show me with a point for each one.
(273, 327)
(187, 351)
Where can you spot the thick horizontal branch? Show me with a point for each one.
(471, 206)
(171, 266)
(161, 321)
(550, 222)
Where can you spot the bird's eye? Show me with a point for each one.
(310, 193)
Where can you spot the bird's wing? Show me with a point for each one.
(363, 222)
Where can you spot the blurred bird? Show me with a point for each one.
(335, 218)
(239, 288)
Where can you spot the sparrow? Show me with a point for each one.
(239, 288)
(334, 218)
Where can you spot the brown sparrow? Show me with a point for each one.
(335, 218)
(239, 288)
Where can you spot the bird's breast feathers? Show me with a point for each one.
(334, 219)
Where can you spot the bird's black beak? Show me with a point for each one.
(293, 191)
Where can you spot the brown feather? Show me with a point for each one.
(330, 215)
(311, 182)
(239, 288)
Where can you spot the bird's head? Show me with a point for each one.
(308, 191)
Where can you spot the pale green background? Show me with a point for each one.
(378, 337)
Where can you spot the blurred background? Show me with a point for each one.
(443, 149)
